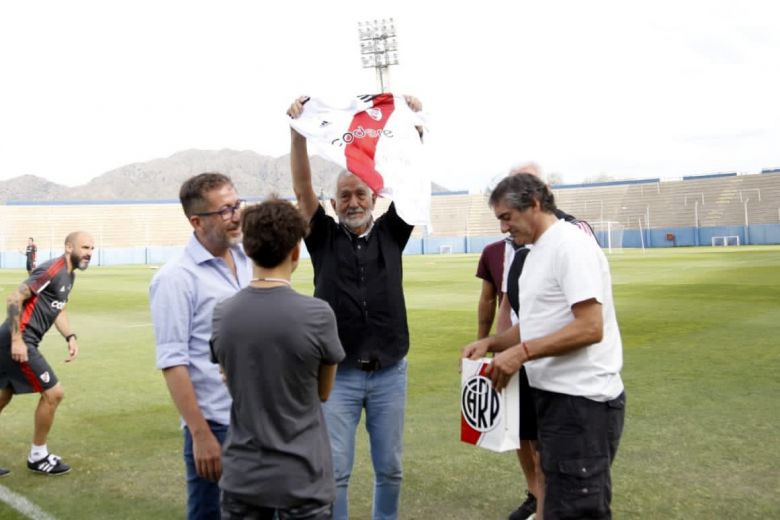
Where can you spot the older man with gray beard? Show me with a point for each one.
(358, 271)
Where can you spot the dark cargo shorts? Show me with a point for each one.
(578, 440)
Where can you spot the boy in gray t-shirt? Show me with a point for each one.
(278, 350)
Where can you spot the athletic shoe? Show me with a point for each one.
(526, 509)
(4, 472)
(49, 465)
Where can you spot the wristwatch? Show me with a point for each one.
(73, 335)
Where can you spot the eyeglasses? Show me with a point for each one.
(227, 213)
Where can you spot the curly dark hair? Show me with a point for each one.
(271, 230)
(519, 191)
(193, 192)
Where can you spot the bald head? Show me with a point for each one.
(74, 236)
(79, 246)
(530, 167)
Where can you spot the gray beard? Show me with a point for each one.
(353, 223)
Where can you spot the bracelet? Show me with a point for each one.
(525, 349)
(73, 335)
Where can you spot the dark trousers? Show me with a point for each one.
(578, 440)
(234, 508)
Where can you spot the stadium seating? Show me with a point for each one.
(693, 202)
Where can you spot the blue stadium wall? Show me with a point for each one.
(757, 234)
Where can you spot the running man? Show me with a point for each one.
(37, 304)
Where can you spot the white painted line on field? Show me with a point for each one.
(23, 505)
(133, 325)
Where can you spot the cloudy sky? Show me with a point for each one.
(628, 89)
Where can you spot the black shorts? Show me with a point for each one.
(33, 376)
(528, 426)
(578, 440)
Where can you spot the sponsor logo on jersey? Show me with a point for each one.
(56, 304)
(360, 133)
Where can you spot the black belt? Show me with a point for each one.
(369, 366)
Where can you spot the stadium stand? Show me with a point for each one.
(724, 204)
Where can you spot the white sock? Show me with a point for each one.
(38, 452)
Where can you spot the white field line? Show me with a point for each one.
(23, 505)
(134, 325)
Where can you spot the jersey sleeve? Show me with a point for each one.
(40, 279)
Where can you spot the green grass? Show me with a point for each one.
(699, 328)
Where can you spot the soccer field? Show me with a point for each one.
(700, 331)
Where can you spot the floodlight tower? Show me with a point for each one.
(378, 47)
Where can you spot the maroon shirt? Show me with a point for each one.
(491, 265)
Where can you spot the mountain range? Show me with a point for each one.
(254, 175)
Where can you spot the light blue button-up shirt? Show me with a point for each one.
(182, 297)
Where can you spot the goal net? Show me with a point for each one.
(725, 240)
(609, 234)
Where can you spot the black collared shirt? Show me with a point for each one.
(362, 280)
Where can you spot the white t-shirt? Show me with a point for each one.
(566, 266)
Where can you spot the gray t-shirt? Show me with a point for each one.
(271, 343)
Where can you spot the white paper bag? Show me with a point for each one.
(488, 419)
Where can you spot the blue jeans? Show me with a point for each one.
(202, 494)
(383, 394)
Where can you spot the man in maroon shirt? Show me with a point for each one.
(491, 267)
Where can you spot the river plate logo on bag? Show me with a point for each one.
(480, 404)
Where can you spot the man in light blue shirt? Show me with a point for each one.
(182, 296)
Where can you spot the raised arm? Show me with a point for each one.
(300, 167)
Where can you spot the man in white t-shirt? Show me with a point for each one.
(568, 340)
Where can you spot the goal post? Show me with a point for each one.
(609, 234)
(725, 240)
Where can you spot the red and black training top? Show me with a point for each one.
(50, 284)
